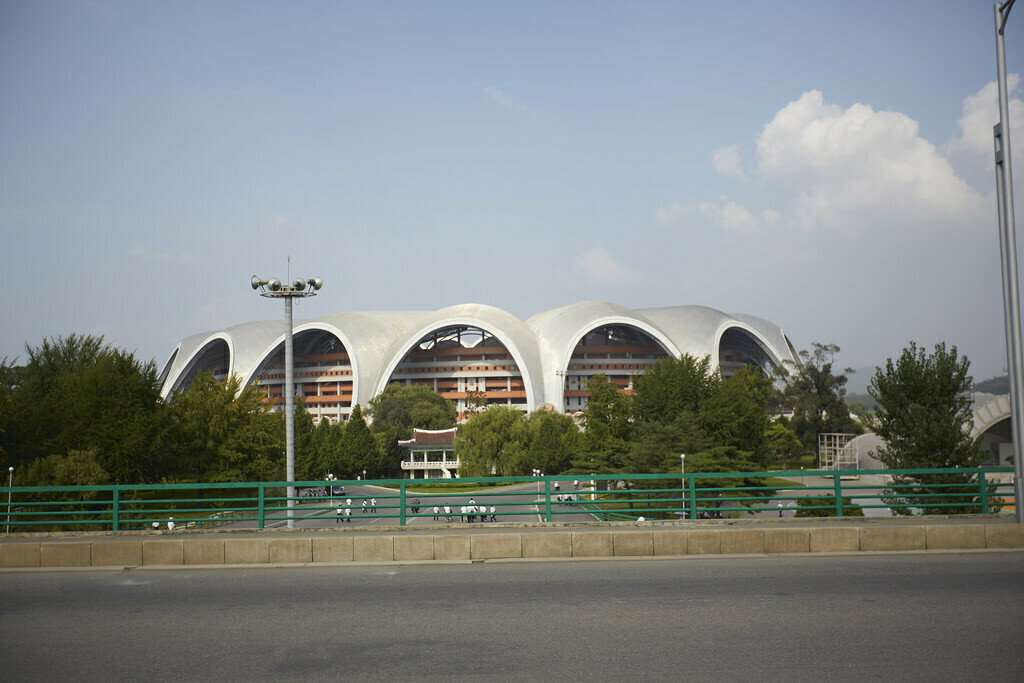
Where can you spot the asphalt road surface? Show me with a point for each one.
(893, 617)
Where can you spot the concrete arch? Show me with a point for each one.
(187, 366)
(566, 359)
(256, 368)
(992, 429)
(990, 413)
(503, 327)
(771, 355)
(559, 331)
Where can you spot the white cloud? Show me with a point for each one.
(672, 214)
(854, 169)
(728, 162)
(737, 218)
(597, 265)
(980, 113)
(504, 99)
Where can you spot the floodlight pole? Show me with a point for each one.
(273, 289)
(1008, 252)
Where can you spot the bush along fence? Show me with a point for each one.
(602, 497)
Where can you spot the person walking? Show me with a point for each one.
(437, 511)
(447, 512)
(373, 505)
(337, 520)
(364, 506)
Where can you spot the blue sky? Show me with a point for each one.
(826, 166)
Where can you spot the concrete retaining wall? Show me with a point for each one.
(183, 550)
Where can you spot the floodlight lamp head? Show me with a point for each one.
(298, 285)
(257, 282)
(274, 285)
(316, 283)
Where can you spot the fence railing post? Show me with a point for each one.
(837, 486)
(401, 503)
(983, 493)
(115, 499)
(692, 486)
(261, 506)
(547, 500)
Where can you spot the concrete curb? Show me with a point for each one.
(455, 546)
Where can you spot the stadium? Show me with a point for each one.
(473, 350)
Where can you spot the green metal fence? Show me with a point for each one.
(607, 497)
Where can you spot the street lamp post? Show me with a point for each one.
(299, 289)
(1008, 252)
(10, 485)
(563, 377)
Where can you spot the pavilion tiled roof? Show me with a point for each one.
(436, 438)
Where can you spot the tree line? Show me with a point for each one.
(80, 411)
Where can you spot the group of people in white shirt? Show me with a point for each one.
(468, 513)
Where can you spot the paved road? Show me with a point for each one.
(519, 503)
(911, 617)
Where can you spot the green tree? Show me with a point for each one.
(673, 386)
(725, 459)
(816, 396)
(220, 432)
(656, 447)
(782, 441)
(77, 468)
(476, 402)
(609, 409)
(10, 378)
(78, 394)
(924, 417)
(396, 411)
(493, 442)
(683, 406)
(550, 442)
(307, 466)
(359, 450)
(327, 448)
(735, 414)
(805, 505)
(411, 406)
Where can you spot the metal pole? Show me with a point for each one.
(273, 289)
(10, 485)
(682, 489)
(289, 411)
(1008, 252)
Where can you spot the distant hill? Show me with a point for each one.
(857, 385)
(996, 385)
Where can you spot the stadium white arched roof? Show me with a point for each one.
(377, 341)
(508, 329)
(559, 331)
